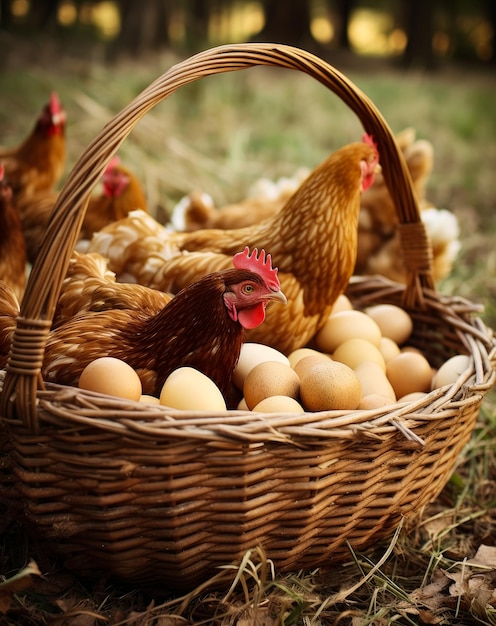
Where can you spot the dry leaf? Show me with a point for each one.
(431, 596)
(484, 557)
(20, 582)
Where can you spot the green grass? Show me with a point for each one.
(221, 134)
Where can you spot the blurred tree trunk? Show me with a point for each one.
(490, 10)
(287, 22)
(419, 26)
(43, 15)
(197, 20)
(344, 9)
(144, 26)
(5, 14)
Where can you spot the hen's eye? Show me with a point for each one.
(247, 289)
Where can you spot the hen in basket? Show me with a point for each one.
(313, 237)
(202, 327)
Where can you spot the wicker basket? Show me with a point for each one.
(151, 495)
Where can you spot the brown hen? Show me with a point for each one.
(379, 250)
(313, 237)
(121, 193)
(38, 162)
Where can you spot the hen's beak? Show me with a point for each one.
(278, 296)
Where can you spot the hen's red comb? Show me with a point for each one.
(366, 138)
(2, 171)
(114, 162)
(261, 265)
(55, 104)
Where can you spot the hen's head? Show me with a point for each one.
(252, 287)
(53, 117)
(370, 166)
(115, 180)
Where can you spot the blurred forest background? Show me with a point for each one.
(420, 33)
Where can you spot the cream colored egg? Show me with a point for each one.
(388, 348)
(252, 354)
(346, 325)
(342, 304)
(356, 350)
(374, 380)
(409, 372)
(450, 371)
(113, 377)
(374, 401)
(393, 321)
(271, 378)
(188, 389)
(278, 404)
(308, 362)
(328, 386)
(242, 406)
(149, 399)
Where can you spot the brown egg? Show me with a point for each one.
(346, 325)
(374, 401)
(393, 321)
(409, 372)
(252, 354)
(112, 377)
(330, 385)
(278, 404)
(374, 380)
(271, 378)
(307, 362)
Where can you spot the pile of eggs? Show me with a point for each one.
(358, 360)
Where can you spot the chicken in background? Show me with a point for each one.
(379, 249)
(378, 242)
(121, 193)
(313, 237)
(12, 246)
(202, 327)
(266, 197)
(38, 162)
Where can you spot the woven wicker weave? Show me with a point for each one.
(153, 495)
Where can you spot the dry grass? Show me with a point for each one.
(223, 133)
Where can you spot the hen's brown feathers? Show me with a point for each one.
(12, 245)
(90, 286)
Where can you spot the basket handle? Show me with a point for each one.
(23, 373)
